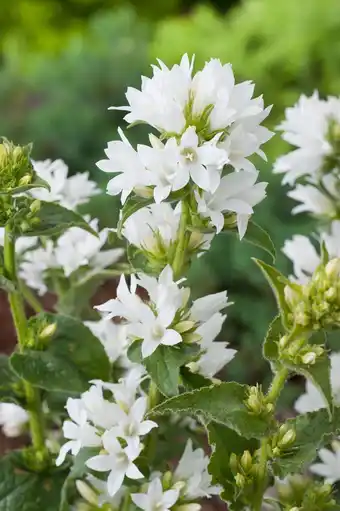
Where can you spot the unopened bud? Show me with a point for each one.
(288, 438)
(276, 451)
(283, 342)
(179, 485)
(331, 294)
(294, 508)
(246, 461)
(240, 480)
(167, 480)
(233, 463)
(35, 206)
(48, 331)
(292, 296)
(25, 180)
(189, 507)
(184, 326)
(309, 358)
(333, 268)
(86, 492)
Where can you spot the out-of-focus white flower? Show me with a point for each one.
(307, 127)
(119, 461)
(22, 244)
(79, 432)
(329, 468)
(126, 389)
(312, 399)
(204, 308)
(314, 200)
(69, 192)
(113, 337)
(304, 256)
(100, 411)
(192, 470)
(155, 498)
(13, 419)
(238, 192)
(77, 247)
(152, 323)
(35, 264)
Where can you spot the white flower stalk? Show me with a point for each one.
(329, 467)
(69, 192)
(113, 337)
(192, 472)
(237, 193)
(304, 256)
(312, 399)
(118, 461)
(13, 419)
(312, 126)
(155, 497)
(172, 100)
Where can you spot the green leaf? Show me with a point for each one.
(38, 182)
(22, 490)
(270, 346)
(224, 404)
(7, 285)
(224, 441)
(55, 219)
(164, 364)
(73, 358)
(132, 204)
(277, 282)
(192, 381)
(8, 382)
(256, 235)
(313, 431)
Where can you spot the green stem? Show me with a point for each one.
(272, 396)
(19, 319)
(30, 298)
(182, 240)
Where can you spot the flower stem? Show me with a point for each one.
(272, 396)
(19, 319)
(182, 240)
(30, 298)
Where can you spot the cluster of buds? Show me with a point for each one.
(282, 441)
(316, 305)
(243, 469)
(299, 493)
(16, 169)
(299, 352)
(39, 333)
(256, 402)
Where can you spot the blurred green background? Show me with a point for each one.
(63, 63)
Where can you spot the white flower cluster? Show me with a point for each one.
(114, 339)
(69, 192)
(167, 320)
(207, 122)
(74, 249)
(312, 125)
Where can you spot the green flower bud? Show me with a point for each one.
(167, 480)
(294, 508)
(309, 358)
(233, 463)
(35, 206)
(15, 166)
(87, 492)
(333, 268)
(48, 331)
(246, 461)
(288, 438)
(240, 480)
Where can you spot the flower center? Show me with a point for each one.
(157, 332)
(189, 155)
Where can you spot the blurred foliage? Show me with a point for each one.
(64, 62)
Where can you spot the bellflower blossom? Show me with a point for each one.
(237, 193)
(322, 202)
(155, 498)
(113, 337)
(329, 467)
(69, 192)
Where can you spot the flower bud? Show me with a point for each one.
(233, 463)
(189, 507)
(294, 508)
(333, 268)
(283, 341)
(87, 492)
(240, 480)
(288, 438)
(15, 166)
(25, 180)
(167, 480)
(35, 206)
(48, 331)
(246, 461)
(292, 296)
(309, 358)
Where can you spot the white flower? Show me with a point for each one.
(313, 400)
(155, 499)
(119, 461)
(236, 193)
(35, 264)
(101, 495)
(163, 98)
(192, 469)
(306, 127)
(12, 419)
(131, 425)
(303, 255)
(204, 308)
(329, 469)
(22, 244)
(113, 337)
(100, 411)
(216, 354)
(79, 432)
(124, 161)
(314, 200)
(69, 192)
(141, 227)
(151, 324)
(77, 247)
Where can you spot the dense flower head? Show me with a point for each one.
(16, 168)
(74, 249)
(69, 192)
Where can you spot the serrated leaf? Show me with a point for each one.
(257, 236)
(224, 441)
(270, 346)
(313, 431)
(222, 403)
(164, 364)
(55, 219)
(73, 358)
(277, 282)
(22, 490)
(192, 381)
(7, 381)
(131, 206)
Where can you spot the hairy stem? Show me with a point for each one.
(272, 396)
(182, 242)
(32, 394)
